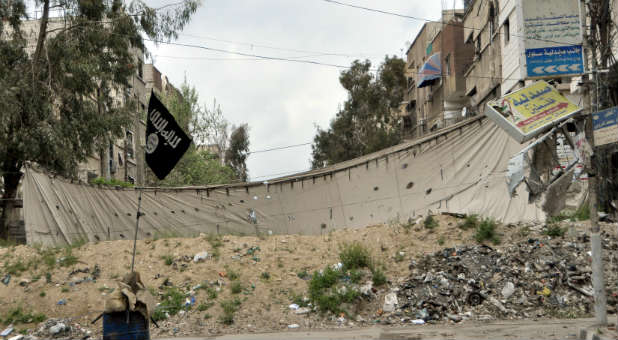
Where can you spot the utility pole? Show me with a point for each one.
(598, 280)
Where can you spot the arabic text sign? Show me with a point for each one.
(536, 106)
(553, 44)
(605, 124)
(554, 61)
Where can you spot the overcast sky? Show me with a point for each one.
(283, 102)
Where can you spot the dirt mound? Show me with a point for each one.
(199, 282)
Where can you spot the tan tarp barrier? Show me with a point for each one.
(461, 170)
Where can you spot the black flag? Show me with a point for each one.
(166, 142)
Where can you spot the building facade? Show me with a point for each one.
(123, 159)
(435, 66)
(484, 72)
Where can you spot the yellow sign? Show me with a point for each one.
(535, 107)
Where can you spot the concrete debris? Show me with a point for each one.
(390, 302)
(367, 289)
(60, 329)
(508, 290)
(531, 279)
(57, 328)
(200, 257)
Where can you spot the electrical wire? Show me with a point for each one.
(251, 44)
(302, 61)
(339, 3)
(279, 148)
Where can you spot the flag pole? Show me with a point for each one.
(139, 214)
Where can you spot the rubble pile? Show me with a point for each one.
(539, 278)
(58, 329)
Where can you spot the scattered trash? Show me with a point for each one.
(6, 279)
(418, 322)
(7, 331)
(293, 326)
(508, 290)
(303, 310)
(252, 250)
(57, 328)
(62, 302)
(525, 280)
(200, 256)
(337, 266)
(390, 302)
(17, 337)
(545, 292)
(190, 301)
(367, 289)
(294, 306)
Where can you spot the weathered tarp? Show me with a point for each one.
(461, 169)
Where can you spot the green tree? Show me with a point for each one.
(58, 102)
(238, 151)
(198, 166)
(365, 123)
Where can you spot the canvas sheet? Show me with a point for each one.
(462, 169)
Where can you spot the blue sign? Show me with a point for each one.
(605, 125)
(605, 118)
(555, 61)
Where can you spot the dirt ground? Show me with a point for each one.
(265, 301)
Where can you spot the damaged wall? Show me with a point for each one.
(461, 169)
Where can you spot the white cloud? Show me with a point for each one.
(282, 101)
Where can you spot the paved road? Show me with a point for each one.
(507, 330)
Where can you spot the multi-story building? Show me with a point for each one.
(436, 62)
(123, 159)
(484, 72)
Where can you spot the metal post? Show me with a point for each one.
(598, 281)
(139, 214)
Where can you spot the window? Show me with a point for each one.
(131, 179)
(507, 31)
(492, 16)
(477, 49)
(447, 64)
(407, 122)
(129, 141)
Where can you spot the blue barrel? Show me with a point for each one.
(115, 326)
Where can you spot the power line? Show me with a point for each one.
(280, 148)
(247, 54)
(428, 20)
(339, 54)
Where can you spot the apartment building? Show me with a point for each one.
(436, 62)
(483, 75)
(123, 159)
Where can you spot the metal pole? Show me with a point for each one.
(598, 281)
(139, 214)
